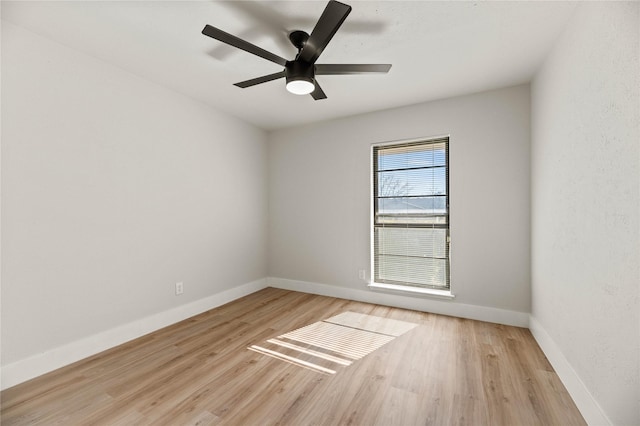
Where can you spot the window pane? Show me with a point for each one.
(412, 209)
(399, 183)
(414, 242)
(408, 156)
(411, 271)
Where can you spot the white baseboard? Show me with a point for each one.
(36, 365)
(583, 399)
(433, 305)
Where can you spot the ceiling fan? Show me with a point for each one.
(301, 72)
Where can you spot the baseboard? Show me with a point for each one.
(433, 305)
(583, 399)
(36, 365)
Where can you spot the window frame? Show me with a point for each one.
(377, 284)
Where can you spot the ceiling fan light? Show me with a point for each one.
(300, 86)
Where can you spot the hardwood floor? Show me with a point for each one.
(444, 371)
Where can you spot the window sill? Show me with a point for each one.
(445, 294)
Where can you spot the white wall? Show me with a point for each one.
(319, 195)
(585, 208)
(114, 189)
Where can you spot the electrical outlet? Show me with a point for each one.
(362, 274)
(179, 288)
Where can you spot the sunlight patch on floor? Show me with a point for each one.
(335, 342)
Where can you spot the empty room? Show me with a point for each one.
(320, 213)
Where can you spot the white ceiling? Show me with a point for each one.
(438, 49)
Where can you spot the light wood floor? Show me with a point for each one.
(445, 371)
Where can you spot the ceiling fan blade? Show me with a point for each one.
(333, 16)
(234, 41)
(259, 80)
(347, 69)
(318, 93)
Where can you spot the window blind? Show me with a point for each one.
(411, 213)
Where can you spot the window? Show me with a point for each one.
(411, 214)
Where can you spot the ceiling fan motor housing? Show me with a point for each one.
(299, 70)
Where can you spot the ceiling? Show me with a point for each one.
(438, 49)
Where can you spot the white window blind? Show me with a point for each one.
(411, 214)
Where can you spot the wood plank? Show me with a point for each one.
(444, 370)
